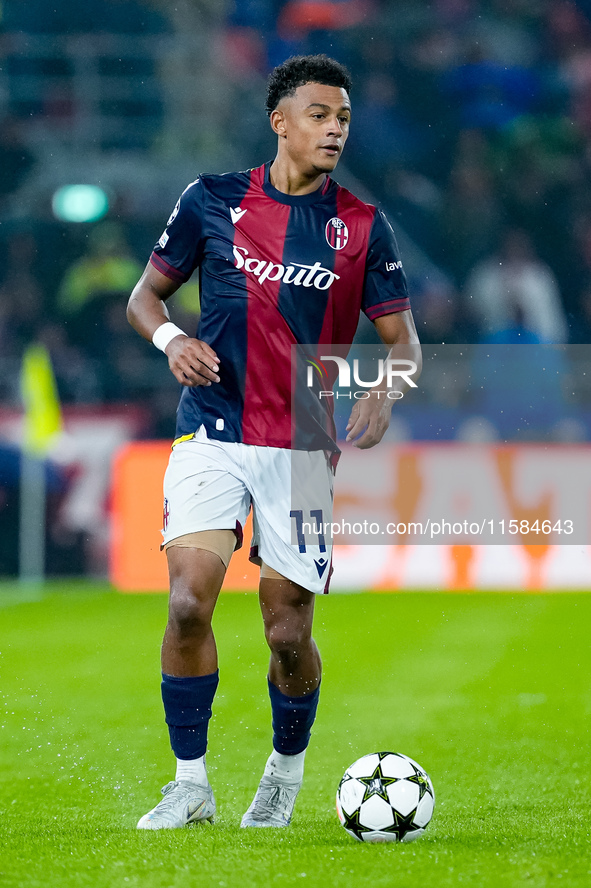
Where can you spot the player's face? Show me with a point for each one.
(314, 123)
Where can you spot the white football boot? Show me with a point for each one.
(183, 803)
(273, 803)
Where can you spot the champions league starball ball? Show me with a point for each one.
(385, 797)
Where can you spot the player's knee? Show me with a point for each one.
(287, 639)
(187, 614)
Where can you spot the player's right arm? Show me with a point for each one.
(191, 361)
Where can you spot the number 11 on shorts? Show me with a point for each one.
(316, 526)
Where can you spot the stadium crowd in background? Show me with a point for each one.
(472, 125)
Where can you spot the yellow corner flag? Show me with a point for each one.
(43, 419)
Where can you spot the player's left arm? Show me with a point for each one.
(370, 417)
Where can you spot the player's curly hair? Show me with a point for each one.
(285, 78)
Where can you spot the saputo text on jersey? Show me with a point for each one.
(296, 273)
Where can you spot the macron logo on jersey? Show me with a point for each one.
(296, 273)
(236, 213)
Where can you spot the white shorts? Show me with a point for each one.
(211, 485)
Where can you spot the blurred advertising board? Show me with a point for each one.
(412, 516)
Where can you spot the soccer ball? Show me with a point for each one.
(385, 797)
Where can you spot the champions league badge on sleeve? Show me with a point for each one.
(175, 212)
(337, 233)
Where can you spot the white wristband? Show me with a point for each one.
(164, 333)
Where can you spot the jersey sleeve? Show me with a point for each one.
(384, 289)
(180, 249)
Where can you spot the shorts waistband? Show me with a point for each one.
(181, 439)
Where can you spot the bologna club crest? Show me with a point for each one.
(337, 233)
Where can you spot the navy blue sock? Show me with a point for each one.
(187, 709)
(293, 718)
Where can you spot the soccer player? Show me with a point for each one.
(285, 256)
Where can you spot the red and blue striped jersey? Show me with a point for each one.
(275, 271)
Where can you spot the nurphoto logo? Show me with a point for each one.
(389, 370)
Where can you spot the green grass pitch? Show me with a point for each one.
(490, 693)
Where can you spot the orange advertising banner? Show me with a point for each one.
(411, 516)
(137, 564)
